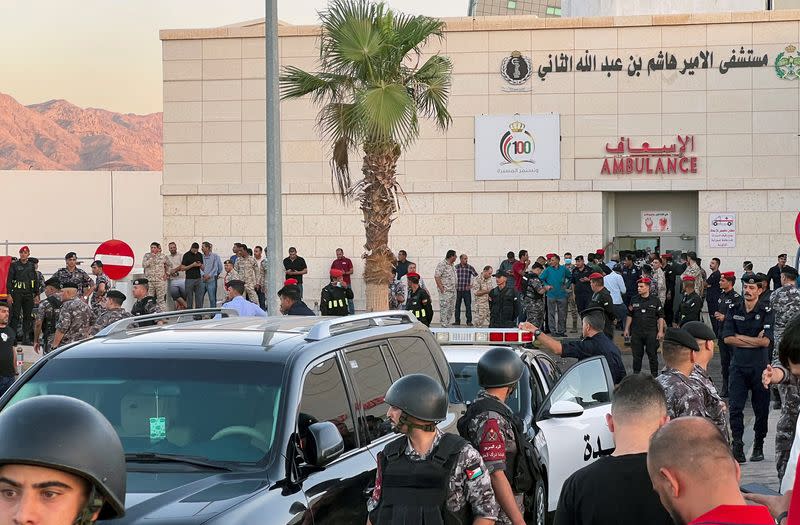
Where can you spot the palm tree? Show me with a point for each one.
(372, 88)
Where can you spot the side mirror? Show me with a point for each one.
(566, 408)
(324, 443)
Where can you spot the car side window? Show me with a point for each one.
(414, 357)
(585, 384)
(324, 398)
(550, 370)
(371, 378)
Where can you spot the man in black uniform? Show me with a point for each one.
(593, 343)
(47, 316)
(630, 274)
(7, 357)
(669, 277)
(427, 476)
(691, 303)
(145, 304)
(727, 298)
(581, 284)
(713, 291)
(645, 326)
(419, 301)
(748, 332)
(22, 288)
(335, 297)
(774, 273)
(601, 298)
(503, 303)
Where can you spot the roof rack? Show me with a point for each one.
(322, 329)
(179, 316)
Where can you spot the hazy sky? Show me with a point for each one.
(106, 53)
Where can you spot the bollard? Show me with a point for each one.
(20, 359)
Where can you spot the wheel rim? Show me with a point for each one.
(540, 512)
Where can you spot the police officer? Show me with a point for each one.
(601, 298)
(71, 274)
(715, 406)
(504, 303)
(669, 277)
(336, 296)
(490, 427)
(75, 318)
(112, 310)
(22, 288)
(748, 332)
(414, 468)
(145, 303)
(533, 295)
(419, 301)
(727, 298)
(61, 445)
(691, 303)
(47, 315)
(645, 326)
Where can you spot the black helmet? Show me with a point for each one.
(67, 434)
(499, 367)
(419, 396)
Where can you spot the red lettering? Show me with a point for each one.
(628, 165)
(605, 169)
(660, 165)
(693, 168)
(619, 166)
(648, 166)
(639, 161)
(683, 162)
(672, 166)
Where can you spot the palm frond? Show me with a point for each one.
(388, 114)
(431, 86)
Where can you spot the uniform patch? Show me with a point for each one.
(492, 446)
(473, 472)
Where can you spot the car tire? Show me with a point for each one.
(540, 514)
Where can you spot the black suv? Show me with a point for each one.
(245, 420)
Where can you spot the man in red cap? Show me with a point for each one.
(727, 298)
(22, 287)
(336, 296)
(689, 309)
(645, 326)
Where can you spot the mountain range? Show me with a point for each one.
(58, 135)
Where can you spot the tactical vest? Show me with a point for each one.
(336, 301)
(24, 278)
(415, 492)
(531, 282)
(49, 321)
(139, 308)
(423, 312)
(520, 469)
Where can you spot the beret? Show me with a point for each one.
(596, 275)
(681, 337)
(140, 280)
(700, 330)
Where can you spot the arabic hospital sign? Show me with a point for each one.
(630, 157)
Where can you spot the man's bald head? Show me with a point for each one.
(692, 445)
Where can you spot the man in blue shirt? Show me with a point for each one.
(212, 267)
(556, 282)
(239, 303)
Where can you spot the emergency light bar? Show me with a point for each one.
(467, 336)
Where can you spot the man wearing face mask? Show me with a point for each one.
(413, 468)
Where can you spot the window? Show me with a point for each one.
(512, 4)
(550, 370)
(414, 357)
(585, 384)
(372, 380)
(466, 375)
(325, 399)
(554, 11)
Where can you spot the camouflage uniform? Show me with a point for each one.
(146, 306)
(463, 490)
(107, 317)
(699, 281)
(493, 436)
(96, 301)
(716, 408)
(660, 282)
(481, 303)
(154, 270)
(48, 315)
(247, 269)
(687, 396)
(79, 277)
(785, 302)
(446, 272)
(233, 275)
(533, 299)
(75, 321)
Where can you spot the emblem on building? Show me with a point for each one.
(517, 144)
(516, 69)
(787, 63)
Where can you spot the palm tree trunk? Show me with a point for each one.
(378, 205)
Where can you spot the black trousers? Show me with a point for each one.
(23, 305)
(641, 343)
(725, 360)
(466, 297)
(744, 380)
(582, 302)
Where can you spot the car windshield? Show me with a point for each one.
(223, 411)
(466, 375)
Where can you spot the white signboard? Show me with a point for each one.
(517, 147)
(656, 221)
(722, 230)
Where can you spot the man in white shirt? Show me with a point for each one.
(615, 285)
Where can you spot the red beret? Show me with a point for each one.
(667, 256)
(596, 275)
(549, 256)
(24, 249)
(600, 252)
(687, 278)
(287, 282)
(335, 272)
(645, 280)
(729, 275)
(412, 274)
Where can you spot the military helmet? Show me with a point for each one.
(419, 396)
(67, 434)
(499, 367)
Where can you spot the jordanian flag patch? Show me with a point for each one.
(474, 473)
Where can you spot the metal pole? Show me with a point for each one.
(274, 217)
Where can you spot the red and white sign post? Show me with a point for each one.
(117, 258)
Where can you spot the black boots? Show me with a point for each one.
(738, 452)
(758, 451)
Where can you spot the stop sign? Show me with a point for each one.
(797, 228)
(117, 258)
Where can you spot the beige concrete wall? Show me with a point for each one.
(745, 122)
(81, 206)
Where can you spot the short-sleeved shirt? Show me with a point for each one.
(598, 344)
(345, 265)
(518, 268)
(79, 278)
(75, 321)
(735, 514)
(244, 307)
(189, 258)
(298, 265)
(446, 272)
(739, 321)
(582, 288)
(645, 313)
(464, 275)
(97, 297)
(556, 277)
(7, 359)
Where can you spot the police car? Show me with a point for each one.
(563, 414)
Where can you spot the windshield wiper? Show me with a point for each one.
(153, 457)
